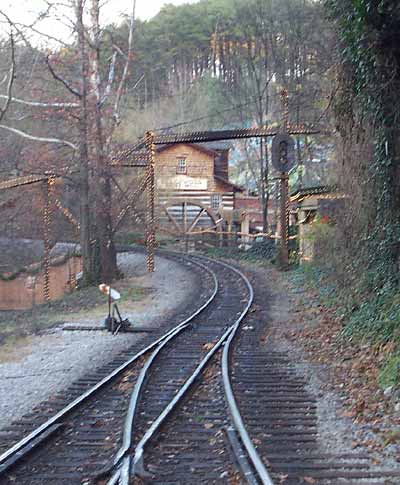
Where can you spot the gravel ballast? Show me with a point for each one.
(51, 362)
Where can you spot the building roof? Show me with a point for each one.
(217, 145)
(227, 182)
(167, 146)
(304, 192)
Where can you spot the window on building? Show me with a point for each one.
(215, 201)
(181, 168)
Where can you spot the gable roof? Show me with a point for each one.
(237, 188)
(309, 191)
(196, 146)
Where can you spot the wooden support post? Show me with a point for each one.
(284, 198)
(245, 229)
(47, 217)
(185, 227)
(284, 220)
(150, 229)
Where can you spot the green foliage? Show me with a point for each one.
(376, 319)
(318, 278)
(321, 230)
(261, 251)
(369, 37)
(265, 249)
(390, 373)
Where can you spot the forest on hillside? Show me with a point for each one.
(212, 64)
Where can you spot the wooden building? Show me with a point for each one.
(249, 211)
(193, 191)
(306, 205)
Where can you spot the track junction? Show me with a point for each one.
(202, 402)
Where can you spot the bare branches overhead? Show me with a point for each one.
(38, 138)
(11, 75)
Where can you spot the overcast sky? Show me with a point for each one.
(24, 11)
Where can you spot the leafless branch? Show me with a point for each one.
(127, 64)
(16, 28)
(38, 138)
(42, 34)
(57, 77)
(10, 80)
(41, 16)
(4, 79)
(111, 77)
(39, 104)
(120, 51)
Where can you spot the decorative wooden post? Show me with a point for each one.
(150, 229)
(285, 185)
(284, 220)
(185, 226)
(283, 160)
(47, 217)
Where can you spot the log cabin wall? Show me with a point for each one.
(196, 173)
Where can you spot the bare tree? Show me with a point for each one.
(92, 92)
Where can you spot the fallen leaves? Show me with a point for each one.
(208, 346)
(354, 367)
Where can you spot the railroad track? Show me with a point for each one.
(280, 412)
(98, 437)
(196, 405)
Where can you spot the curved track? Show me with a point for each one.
(221, 324)
(96, 436)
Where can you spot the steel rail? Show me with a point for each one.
(10, 456)
(135, 396)
(237, 419)
(138, 460)
(127, 469)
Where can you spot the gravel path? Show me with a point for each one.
(55, 360)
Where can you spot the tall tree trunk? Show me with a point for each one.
(86, 247)
(104, 238)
